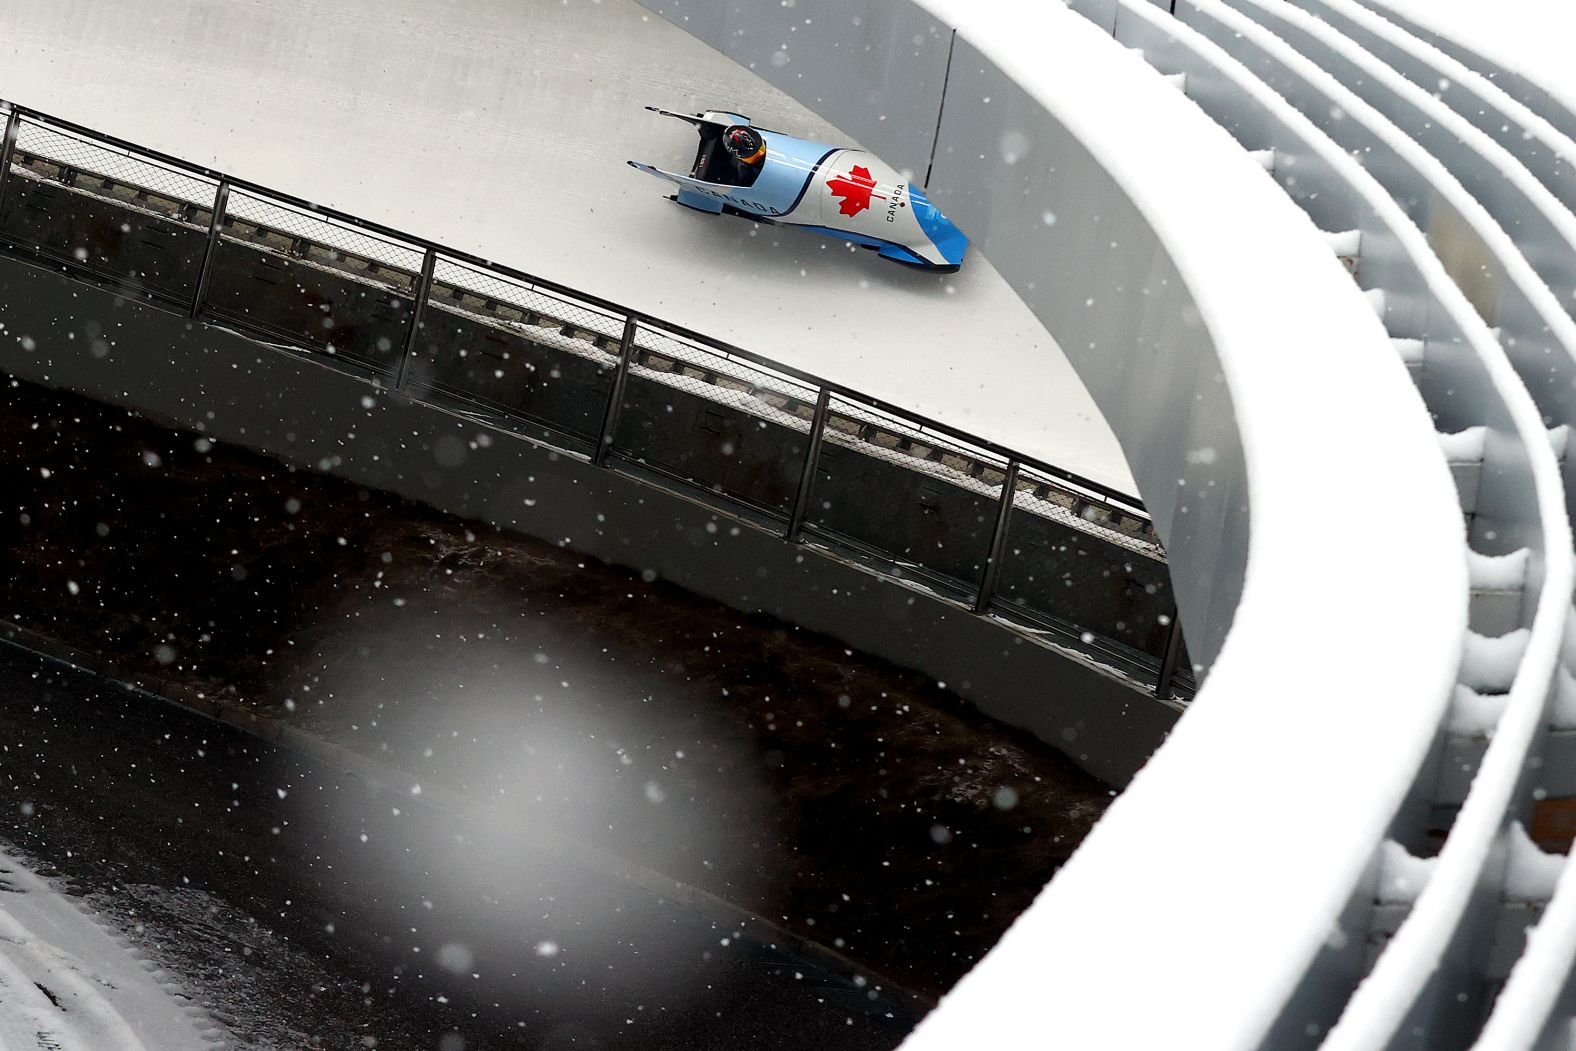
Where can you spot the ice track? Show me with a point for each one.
(502, 129)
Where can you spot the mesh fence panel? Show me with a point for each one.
(1047, 496)
(900, 441)
(709, 373)
(889, 485)
(1063, 567)
(498, 297)
(125, 219)
(96, 167)
(503, 343)
(294, 276)
(715, 421)
(286, 229)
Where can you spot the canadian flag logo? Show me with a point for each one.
(856, 188)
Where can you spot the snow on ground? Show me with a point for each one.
(1529, 37)
(67, 984)
(502, 128)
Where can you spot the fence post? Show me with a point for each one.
(1170, 654)
(422, 290)
(221, 200)
(998, 539)
(615, 396)
(812, 456)
(7, 146)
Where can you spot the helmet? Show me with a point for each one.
(745, 143)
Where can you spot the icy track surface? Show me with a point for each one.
(501, 127)
(66, 984)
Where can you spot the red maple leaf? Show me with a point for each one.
(855, 190)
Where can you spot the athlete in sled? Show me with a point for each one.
(775, 178)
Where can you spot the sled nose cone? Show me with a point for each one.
(951, 242)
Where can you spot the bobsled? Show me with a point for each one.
(769, 177)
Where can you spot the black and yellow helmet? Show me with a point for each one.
(744, 143)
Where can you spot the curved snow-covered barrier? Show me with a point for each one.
(1183, 284)
(1533, 216)
(1537, 1006)
(1526, 233)
(1547, 153)
(1435, 975)
(1454, 908)
(1540, 100)
(1481, 256)
(1510, 143)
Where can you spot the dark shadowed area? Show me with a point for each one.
(854, 803)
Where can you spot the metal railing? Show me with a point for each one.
(1057, 556)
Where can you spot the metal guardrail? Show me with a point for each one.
(1004, 535)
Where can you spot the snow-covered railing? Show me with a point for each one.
(1546, 152)
(1433, 977)
(1396, 264)
(1537, 1006)
(1481, 256)
(1166, 264)
(1446, 925)
(1526, 91)
(1536, 226)
(1528, 145)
